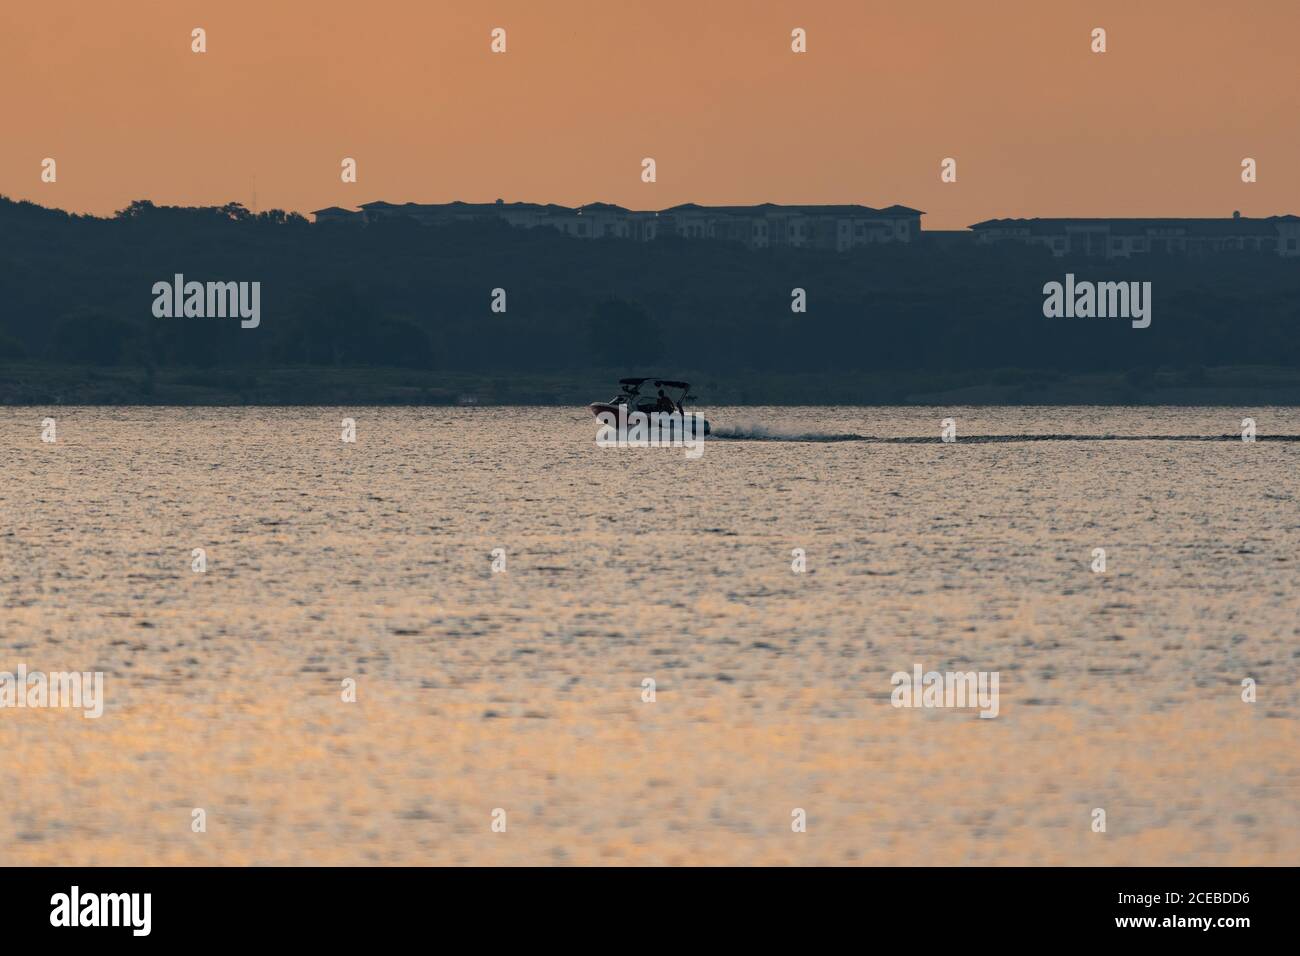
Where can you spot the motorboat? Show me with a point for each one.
(669, 398)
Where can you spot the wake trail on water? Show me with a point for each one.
(760, 432)
(757, 432)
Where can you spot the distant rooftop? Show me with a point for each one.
(828, 209)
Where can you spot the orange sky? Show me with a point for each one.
(1039, 125)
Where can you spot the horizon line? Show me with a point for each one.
(358, 209)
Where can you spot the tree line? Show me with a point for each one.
(75, 290)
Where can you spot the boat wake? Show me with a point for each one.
(757, 432)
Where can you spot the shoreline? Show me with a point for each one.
(40, 384)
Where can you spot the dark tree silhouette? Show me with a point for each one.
(77, 290)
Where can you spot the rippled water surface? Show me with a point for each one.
(523, 690)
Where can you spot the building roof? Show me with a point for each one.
(762, 209)
(759, 209)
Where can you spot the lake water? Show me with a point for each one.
(522, 691)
